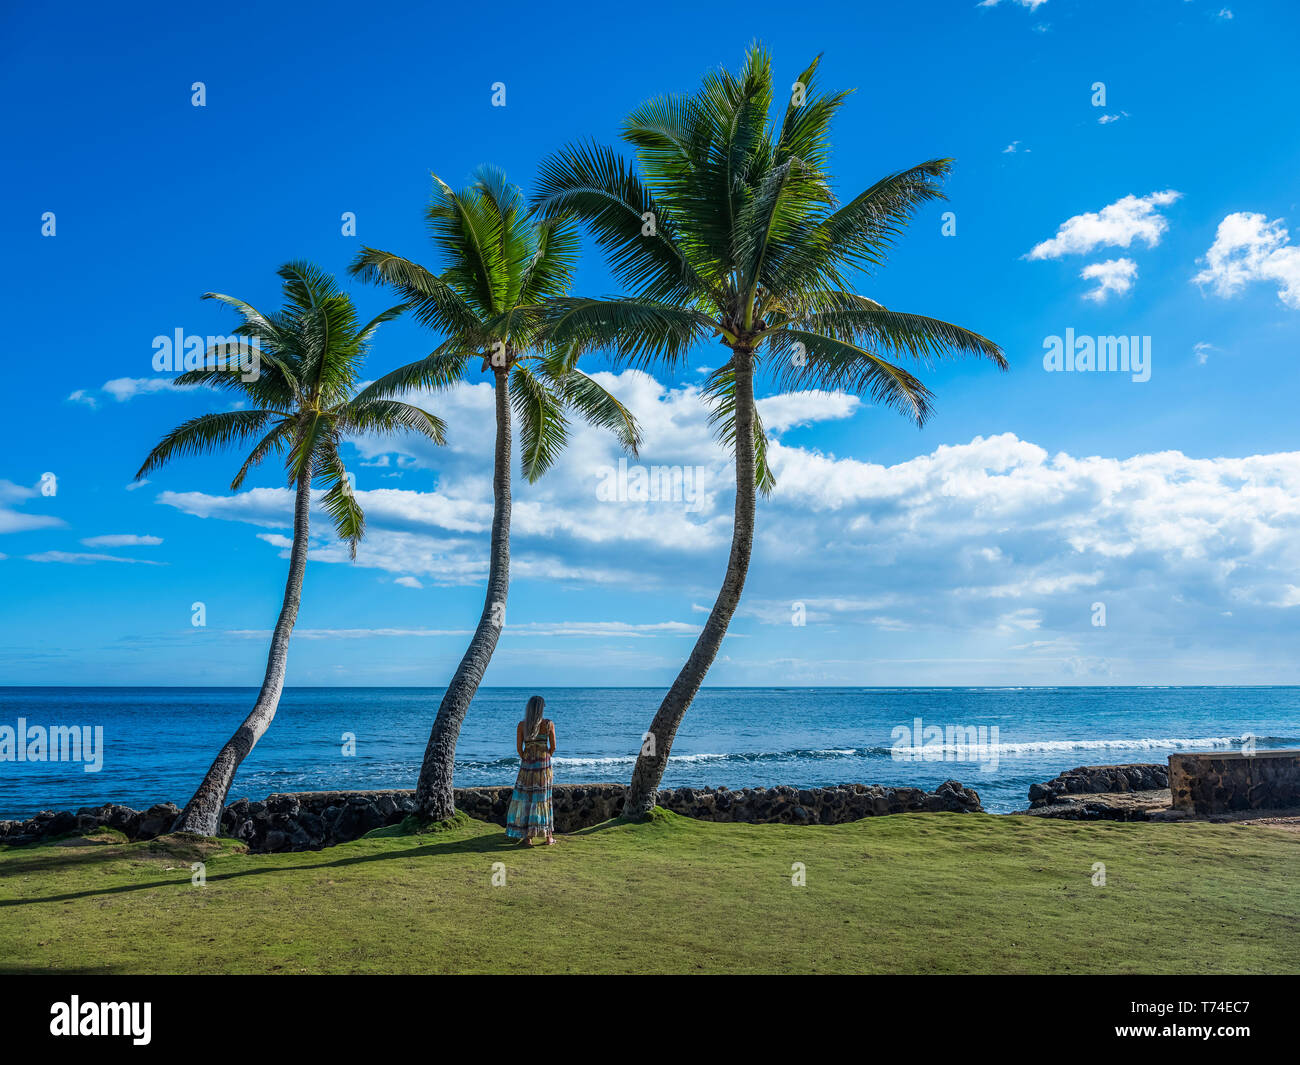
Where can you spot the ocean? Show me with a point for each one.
(157, 742)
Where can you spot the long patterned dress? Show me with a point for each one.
(530, 804)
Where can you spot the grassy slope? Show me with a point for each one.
(906, 893)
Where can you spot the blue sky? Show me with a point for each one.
(970, 552)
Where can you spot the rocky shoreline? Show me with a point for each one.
(1102, 793)
(1093, 779)
(315, 819)
(310, 820)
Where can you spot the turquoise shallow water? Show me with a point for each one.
(157, 742)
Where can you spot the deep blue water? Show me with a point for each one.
(159, 741)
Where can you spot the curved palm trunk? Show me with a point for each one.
(203, 812)
(433, 791)
(653, 760)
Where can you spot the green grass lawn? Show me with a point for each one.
(923, 893)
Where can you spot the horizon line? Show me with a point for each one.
(646, 687)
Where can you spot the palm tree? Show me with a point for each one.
(503, 268)
(309, 356)
(731, 231)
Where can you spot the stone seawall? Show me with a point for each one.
(310, 820)
(1224, 782)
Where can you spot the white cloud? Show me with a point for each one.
(441, 534)
(446, 561)
(969, 538)
(16, 521)
(1033, 5)
(1036, 586)
(1202, 351)
(616, 629)
(815, 608)
(258, 506)
(347, 634)
(408, 582)
(1247, 247)
(1106, 120)
(124, 388)
(84, 558)
(10, 492)
(805, 408)
(1063, 526)
(1115, 225)
(122, 540)
(1112, 276)
(1023, 620)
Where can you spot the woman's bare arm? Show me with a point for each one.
(519, 740)
(552, 735)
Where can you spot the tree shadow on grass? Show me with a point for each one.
(605, 826)
(50, 857)
(488, 843)
(657, 816)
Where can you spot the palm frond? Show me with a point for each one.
(860, 233)
(207, 432)
(467, 228)
(270, 389)
(339, 500)
(828, 363)
(543, 429)
(306, 285)
(253, 318)
(331, 352)
(732, 150)
(549, 271)
(390, 415)
(280, 436)
(595, 185)
(314, 436)
(441, 369)
(899, 333)
(432, 301)
(805, 128)
(720, 392)
(637, 331)
(367, 332)
(598, 406)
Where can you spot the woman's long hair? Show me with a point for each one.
(533, 716)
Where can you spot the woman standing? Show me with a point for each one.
(530, 806)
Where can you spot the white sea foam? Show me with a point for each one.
(1031, 746)
(1022, 747)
